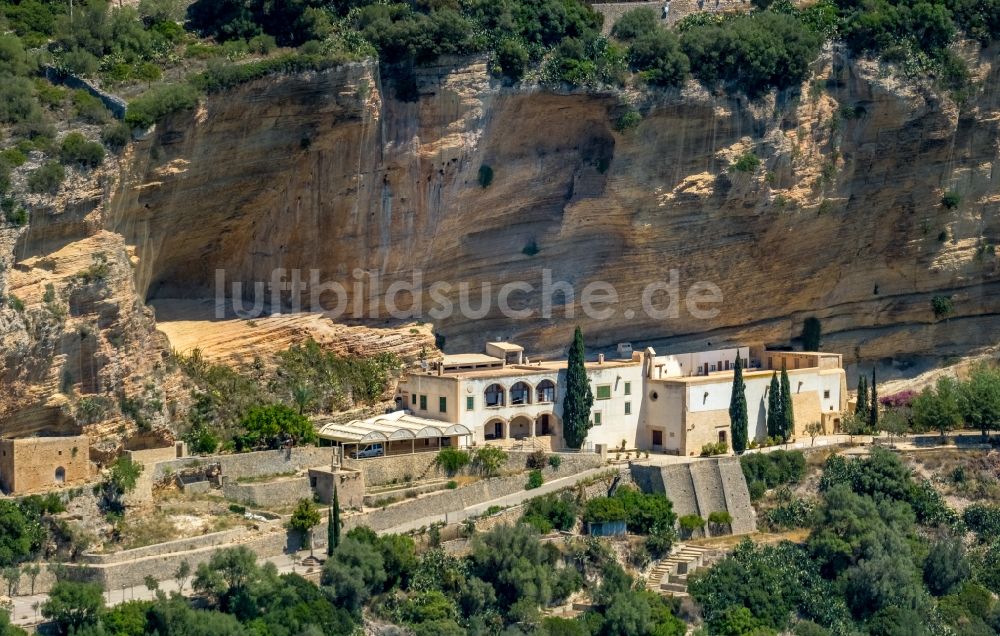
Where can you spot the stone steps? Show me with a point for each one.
(670, 576)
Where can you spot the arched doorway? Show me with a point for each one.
(520, 393)
(520, 427)
(493, 429)
(547, 424)
(60, 475)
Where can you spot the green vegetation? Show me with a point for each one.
(452, 460)
(747, 162)
(764, 471)
(951, 199)
(46, 179)
(775, 420)
(489, 460)
(163, 100)
(942, 306)
(554, 511)
(628, 120)
(579, 397)
(738, 418)
(75, 149)
(274, 426)
(304, 519)
(714, 448)
(535, 480)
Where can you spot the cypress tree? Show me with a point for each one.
(787, 412)
(861, 409)
(873, 406)
(774, 417)
(738, 408)
(333, 525)
(579, 398)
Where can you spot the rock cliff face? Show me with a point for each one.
(330, 172)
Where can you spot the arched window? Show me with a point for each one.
(494, 395)
(60, 475)
(520, 393)
(546, 391)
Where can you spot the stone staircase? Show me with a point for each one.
(669, 576)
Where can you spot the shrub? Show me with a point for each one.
(747, 162)
(116, 136)
(555, 461)
(720, 518)
(452, 460)
(942, 306)
(602, 509)
(951, 199)
(794, 513)
(534, 480)
(718, 448)
(489, 460)
(753, 53)
(775, 468)
(984, 520)
(690, 524)
(536, 460)
(659, 59)
(237, 508)
(628, 120)
(635, 23)
(485, 176)
(77, 149)
(551, 511)
(451, 485)
(47, 178)
(757, 489)
(89, 108)
(14, 213)
(159, 102)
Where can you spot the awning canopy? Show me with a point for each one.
(395, 426)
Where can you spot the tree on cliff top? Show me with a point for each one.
(873, 406)
(579, 398)
(738, 408)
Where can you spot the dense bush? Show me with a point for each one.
(115, 136)
(775, 468)
(274, 426)
(535, 480)
(754, 53)
(635, 24)
(452, 460)
(603, 509)
(714, 448)
(658, 58)
(984, 520)
(645, 512)
(147, 109)
(78, 150)
(550, 512)
(47, 178)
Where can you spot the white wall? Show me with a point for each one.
(682, 364)
(615, 425)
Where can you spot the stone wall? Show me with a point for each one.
(381, 471)
(115, 104)
(268, 494)
(260, 463)
(350, 487)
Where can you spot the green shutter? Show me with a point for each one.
(628, 388)
(628, 408)
(423, 402)
(470, 403)
(443, 404)
(604, 392)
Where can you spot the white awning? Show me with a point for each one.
(395, 426)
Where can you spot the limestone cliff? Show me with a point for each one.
(328, 171)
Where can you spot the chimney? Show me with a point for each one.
(440, 368)
(600, 358)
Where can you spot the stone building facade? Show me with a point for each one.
(41, 463)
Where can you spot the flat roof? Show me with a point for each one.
(715, 376)
(513, 370)
(395, 426)
(506, 346)
(470, 358)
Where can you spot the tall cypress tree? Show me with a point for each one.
(333, 525)
(861, 409)
(787, 412)
(738, 408)
(774, 417)
(579, 398)
(873, 406)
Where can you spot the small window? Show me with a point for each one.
(413, 399)
(423, 402)
(628, 408)
(470, 403)
(443, 404)
(628, 388)
(826, 394)
(653, 396)
(597, 418)
(604, 392)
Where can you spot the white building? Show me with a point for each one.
(673, 403)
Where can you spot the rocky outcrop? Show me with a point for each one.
(331, 172)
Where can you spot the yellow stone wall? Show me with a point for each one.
(30, 464)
